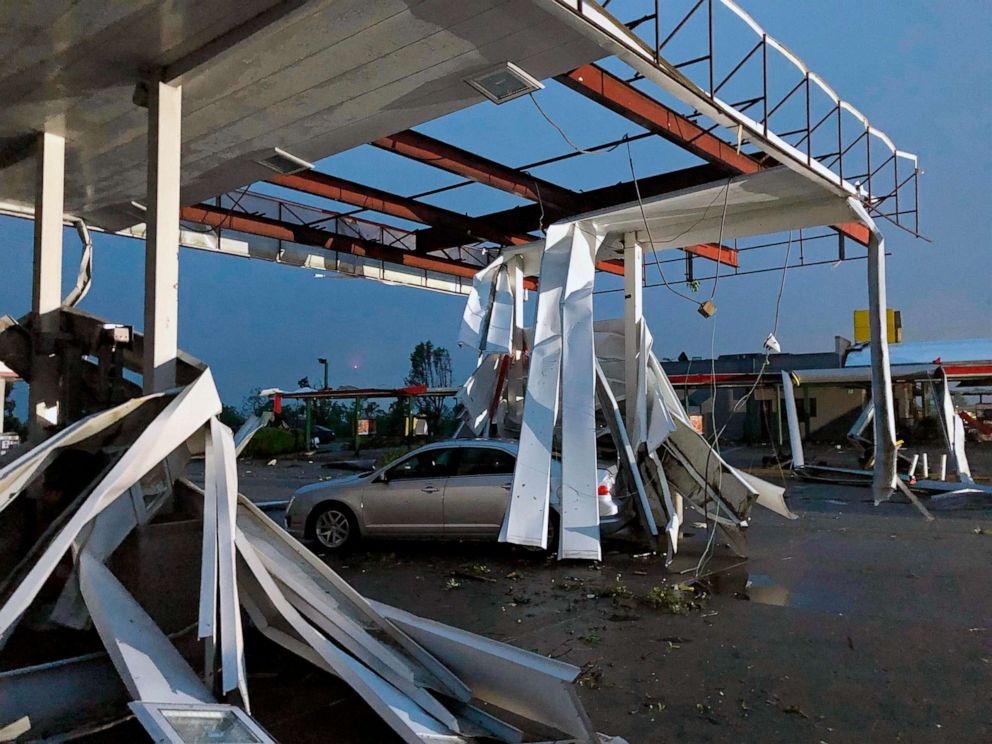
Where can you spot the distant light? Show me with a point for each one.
(504, 83)
(285, 163)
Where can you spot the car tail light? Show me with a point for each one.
(603, 490)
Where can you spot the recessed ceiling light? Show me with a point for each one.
(283, 162)
(504, 83)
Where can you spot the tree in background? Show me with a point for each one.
(231, 416)
(336, 416)
(430, 366)
(10, 421)
(253, 403)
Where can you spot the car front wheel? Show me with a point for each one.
(334, 527)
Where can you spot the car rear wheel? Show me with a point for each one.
(334, 527)
(554, 522)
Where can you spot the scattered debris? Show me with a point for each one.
(476, 569)
(590, 675)
(655, 705)
(615, 592)
(674, 599)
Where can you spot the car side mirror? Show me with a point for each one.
(381, 478)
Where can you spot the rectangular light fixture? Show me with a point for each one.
(504, 83)
(284, 163)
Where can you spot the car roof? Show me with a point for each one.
(508, 445)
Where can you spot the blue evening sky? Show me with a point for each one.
(919, 70)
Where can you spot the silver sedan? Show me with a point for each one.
(457, 489)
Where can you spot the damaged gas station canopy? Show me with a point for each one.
(153, 119)
(558, 360)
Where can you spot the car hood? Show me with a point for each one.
(347, 480)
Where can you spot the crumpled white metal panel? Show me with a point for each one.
(579, 536)
(526, 520)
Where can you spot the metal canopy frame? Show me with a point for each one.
(744, 136)
(450, 242)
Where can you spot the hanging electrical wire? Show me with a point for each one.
(719, 242)
(769, 347)
(647, 228)
(565, 136)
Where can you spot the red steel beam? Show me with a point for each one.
(613, 93)
(712, 251)
(617, 95)
(529, 217)
(447, 157)
(376, 200)
(267, 227)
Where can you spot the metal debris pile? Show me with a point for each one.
(129, 543)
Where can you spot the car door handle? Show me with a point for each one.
(430, 489)
(506, 486)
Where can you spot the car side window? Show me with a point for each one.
(485, 461)
(435, 463)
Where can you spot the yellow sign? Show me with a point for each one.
(862, 327)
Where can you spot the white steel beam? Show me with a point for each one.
(46, 295)
(162, 239)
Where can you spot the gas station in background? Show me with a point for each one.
(862, 327)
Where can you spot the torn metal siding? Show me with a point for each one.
(561, 385)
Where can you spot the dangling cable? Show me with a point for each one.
(564, 136)
(647, 229)
(719, 242)
(768, 348)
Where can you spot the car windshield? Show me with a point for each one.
(433, 463)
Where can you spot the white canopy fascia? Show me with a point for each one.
(769, 201)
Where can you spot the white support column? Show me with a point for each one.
(3, 397)
(884, 476)
(633, 315)
(792, 417)
(162, 241)
(46, 296)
